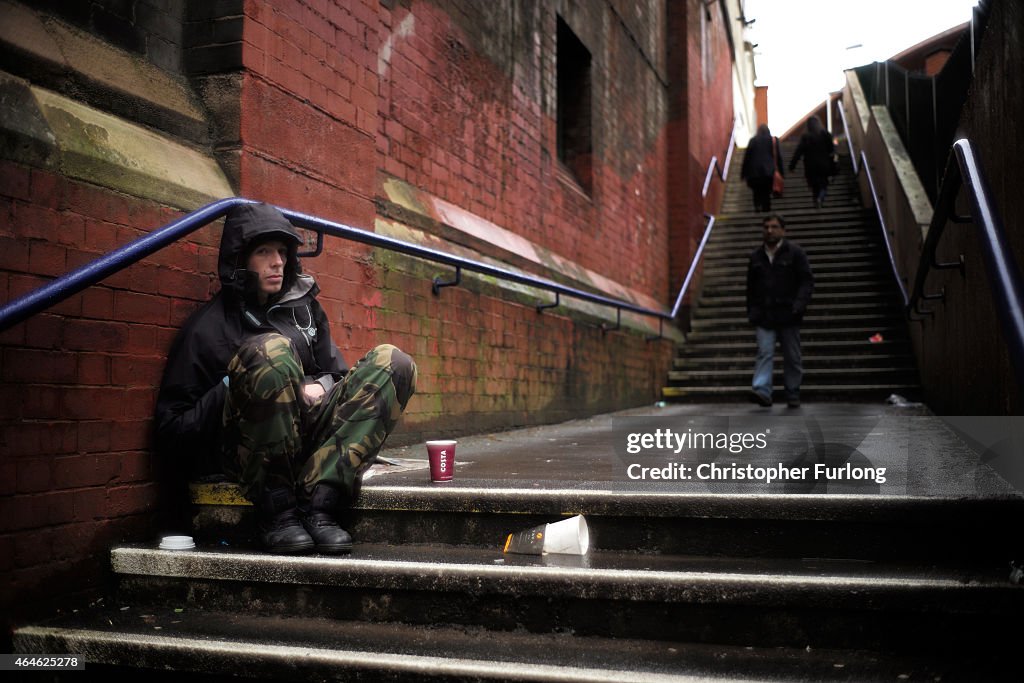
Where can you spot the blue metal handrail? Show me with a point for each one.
(67, 285)
(963, 170)
(723, 172)
(694, 263)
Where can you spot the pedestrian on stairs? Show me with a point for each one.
(760, 162)
(254, 384)
(779, 287)
(817, 149)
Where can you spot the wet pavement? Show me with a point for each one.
(823, 448)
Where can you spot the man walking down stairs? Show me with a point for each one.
(854, 337)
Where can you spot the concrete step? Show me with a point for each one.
(685, 519)
(862, 267)
(883, 286)
(834, 295)
(709, 340)
(842, 196)
(851, 246)
(201, 644)
(800, 205)
(839, 347)
(731, 307)
(801, 219)
(837, 376)
(832, 276)
(817, 257)
(813, 322)
(695, 572)
(603, 594)
(811, 361)
(811, 244)
(750, 232)
(799, 225)
(745, 238)
(701, 523)
(838, 309)
(867, 393)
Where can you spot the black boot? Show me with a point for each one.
(280, 526)
(321, 522)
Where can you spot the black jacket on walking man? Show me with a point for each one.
(779, 287)
(816, 148)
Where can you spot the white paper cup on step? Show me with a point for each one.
(177, 543)
(568, 537)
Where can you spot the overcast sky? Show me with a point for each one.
(804, 45)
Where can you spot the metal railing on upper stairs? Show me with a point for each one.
(962, 171)
(723, 175)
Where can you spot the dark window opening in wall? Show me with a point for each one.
(575, 149)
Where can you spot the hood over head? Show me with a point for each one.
(246, 226)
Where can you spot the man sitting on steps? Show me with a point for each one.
(255, 381)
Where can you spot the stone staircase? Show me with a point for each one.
(855, 298)
(677, 586)
(904, 580)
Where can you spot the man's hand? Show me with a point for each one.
(313, 391)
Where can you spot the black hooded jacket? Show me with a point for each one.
(192, 394)
(778, 290)
(816, 148)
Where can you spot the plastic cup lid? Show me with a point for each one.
(177, 543)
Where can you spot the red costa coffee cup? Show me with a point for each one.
(442, 460)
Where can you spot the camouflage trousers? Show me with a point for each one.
(275, 437)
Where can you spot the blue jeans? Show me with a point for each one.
(792, 363)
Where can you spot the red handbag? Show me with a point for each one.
(778, 182)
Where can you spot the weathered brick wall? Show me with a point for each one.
(314, 106)
(79, 381)
(467, 112)
(457, 99)
(700, 118)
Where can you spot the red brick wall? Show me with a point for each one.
(422, 94)
(78, 382)
(477, 129)
(332, 99)
(700, 124)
